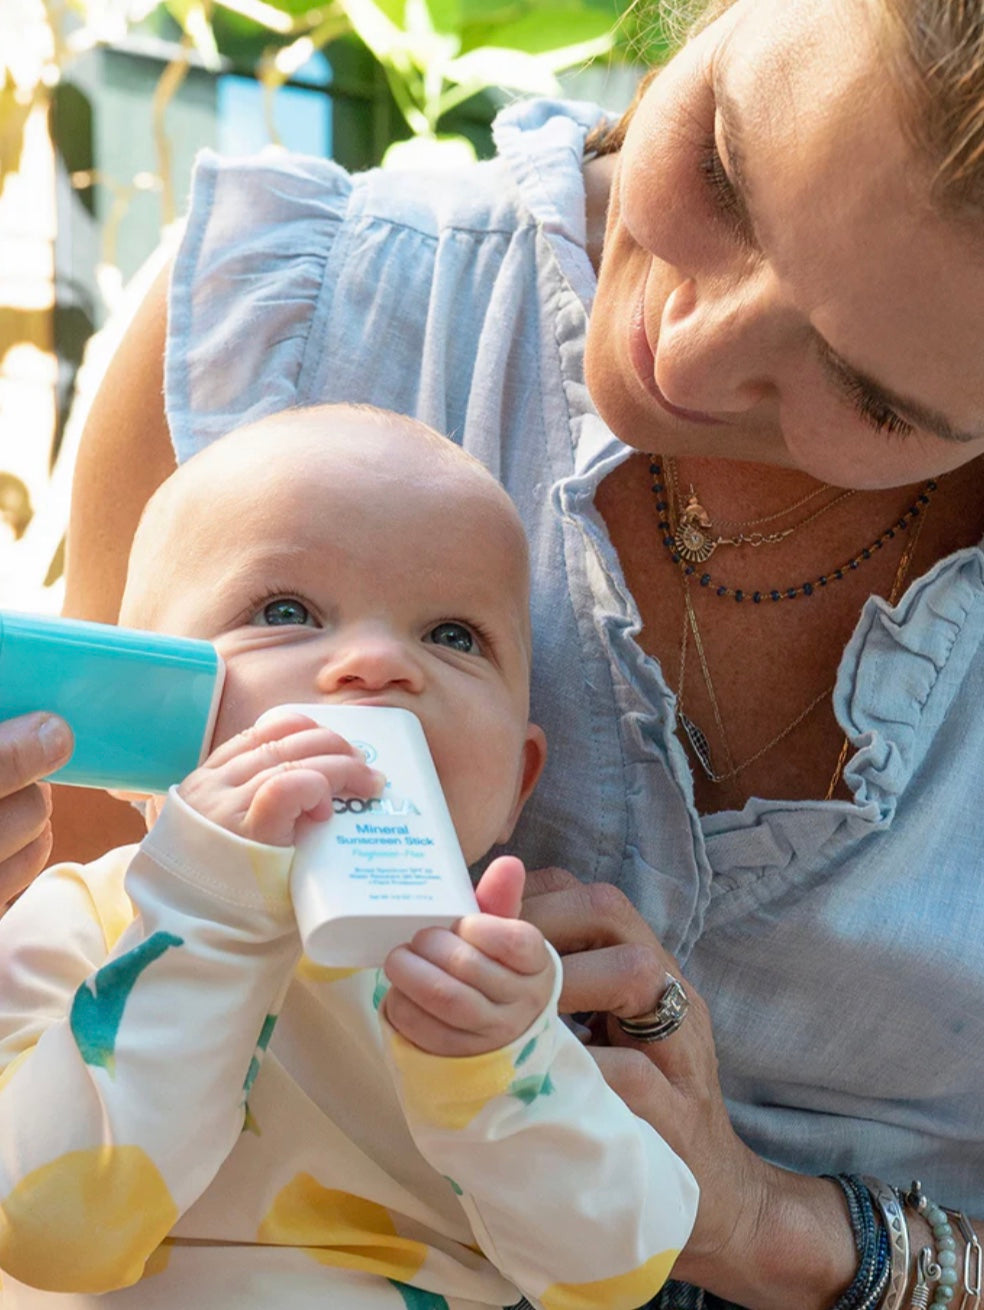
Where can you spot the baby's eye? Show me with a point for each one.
(456, 636)
(285, 610)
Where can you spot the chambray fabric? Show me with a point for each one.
(840, 945)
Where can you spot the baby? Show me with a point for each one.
(192, 1113)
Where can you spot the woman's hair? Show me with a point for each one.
(937, 47)
(936, 51)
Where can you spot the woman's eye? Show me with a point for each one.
(719, 184)
(881, 416)
(455, 636)
(284, 611)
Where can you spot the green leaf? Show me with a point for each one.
(194, 19)
(533, 74)
(547, 28)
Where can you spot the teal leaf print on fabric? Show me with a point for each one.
(528, 1089)
(454, 1186)
(415, 1298)
(262, 1042)
(98, 1005)
(380, 989)
(526, 1052)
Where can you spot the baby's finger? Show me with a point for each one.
(460, 959)
(281, 799)
(347, 775)
(437, 992)
(500, 888)
(305, 745)
(512, 943)
(426, 1031)
(271, 729)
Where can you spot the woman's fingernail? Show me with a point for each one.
(378, 782)
(55, 738)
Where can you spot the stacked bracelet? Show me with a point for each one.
(893, 1217)
(972, 1267)
(941, 1268)
(871, 1243)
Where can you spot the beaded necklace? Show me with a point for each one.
(668, 537)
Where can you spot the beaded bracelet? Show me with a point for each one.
(871, 1243)
(943, 1268)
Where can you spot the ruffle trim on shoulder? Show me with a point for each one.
(259, 233)
(900, 673)
(897, 680)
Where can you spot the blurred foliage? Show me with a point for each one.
(435, 54)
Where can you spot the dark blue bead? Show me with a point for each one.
(722, 591)
(890, 534)
(792, 592)
(705, 579)
(667, 541)
(807, 588)
(689, 569)
(853, 564)
(866, 553)
(665, 527)
(660, 506)
(931, 486)
(775, 595)
(675, 557)
(839, 574)
(913, 511)
(924, 499)
(757, 597)
(822, 579)
(739, 594)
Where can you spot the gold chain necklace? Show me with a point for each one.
(694, 536)
(667, 514)
(698, 740)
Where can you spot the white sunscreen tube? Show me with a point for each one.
(368, 878)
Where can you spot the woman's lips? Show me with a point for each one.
(643, 364)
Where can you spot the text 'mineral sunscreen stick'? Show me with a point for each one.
(368, 878)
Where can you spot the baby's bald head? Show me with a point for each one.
(325, 461)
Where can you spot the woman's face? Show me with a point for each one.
(775, 285)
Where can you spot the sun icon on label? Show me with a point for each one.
(366, 750)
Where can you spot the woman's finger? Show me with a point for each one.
(586, 916)
(31, 747)
(552, 879)
(17, 871)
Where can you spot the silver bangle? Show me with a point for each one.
(897, 1229)
(972, 1265)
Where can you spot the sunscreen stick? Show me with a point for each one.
(368, 878)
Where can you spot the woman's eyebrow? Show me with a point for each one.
(913, 410)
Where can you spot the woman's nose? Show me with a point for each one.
(721, 342)
(371, 659)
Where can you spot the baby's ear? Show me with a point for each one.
(533, 759)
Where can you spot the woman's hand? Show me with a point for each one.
(30, 747)
(615, 966)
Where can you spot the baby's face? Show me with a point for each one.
(389, 580)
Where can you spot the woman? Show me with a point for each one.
(753, 765)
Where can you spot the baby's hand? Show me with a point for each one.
(478, 986)
(260, 783)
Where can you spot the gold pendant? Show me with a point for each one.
(692, 538)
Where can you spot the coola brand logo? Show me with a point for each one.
(375, 805)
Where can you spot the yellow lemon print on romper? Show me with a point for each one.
(338, 1229)
(115, 1192)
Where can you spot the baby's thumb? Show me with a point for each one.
(500, 888)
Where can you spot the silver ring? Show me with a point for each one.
(670, 1012)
